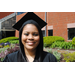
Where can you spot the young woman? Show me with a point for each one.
(31, 41)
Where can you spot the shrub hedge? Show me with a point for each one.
(62, 45)
(73, 41)
(69, 57)
(4, 40)
(50, 39)
(14, 41)
(56, 54)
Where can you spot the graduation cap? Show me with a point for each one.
(29, 16)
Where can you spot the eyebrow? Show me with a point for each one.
(33, 32)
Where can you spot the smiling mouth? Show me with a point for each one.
(30, 43)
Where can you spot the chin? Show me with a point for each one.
(30, 48)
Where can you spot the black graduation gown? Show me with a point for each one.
(18, 57)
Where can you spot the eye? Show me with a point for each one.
(35, 34)
(26, 34)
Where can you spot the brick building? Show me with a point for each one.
(7, 19)
(58, 24)
(4, 14)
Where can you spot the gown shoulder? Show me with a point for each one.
(12, 57)
(48, 57)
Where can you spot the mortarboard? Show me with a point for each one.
(29, 16)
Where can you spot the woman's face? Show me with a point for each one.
(30, 37)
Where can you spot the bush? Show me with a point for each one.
(56, 54)
(50, 39)
(5, 51)
(6, 46)
(4, 40)
(1, 46)
(14, 41)
(69, 57)
(62, 45)
(73, 41)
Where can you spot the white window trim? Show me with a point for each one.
(50, 27)
(71, 25)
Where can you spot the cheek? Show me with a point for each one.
(37, 39)
(23, 38)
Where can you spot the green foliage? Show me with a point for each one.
(1, 46)
(4, 40)
(73, 41)
(14, 41)
(62, 45)
(3, 49)
(50, 50)
(69, 57)
(8, 50)
(56, 54)
(6, 46)
(50, 39)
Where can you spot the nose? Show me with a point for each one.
(30, 37)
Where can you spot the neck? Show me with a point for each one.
(30, 52)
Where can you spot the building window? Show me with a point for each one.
(18, 13)
(43, 32)
(8, 33)
(50, 32)
(71, 33)
(4, 34)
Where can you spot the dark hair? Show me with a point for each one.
(39, 51)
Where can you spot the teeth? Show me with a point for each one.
(30, 43)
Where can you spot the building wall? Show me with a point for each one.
(7, 24)
(4, 14)
(7, 19)
(58, 21)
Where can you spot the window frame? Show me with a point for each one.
(69, 29)
(51, 33)
(43, 31)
